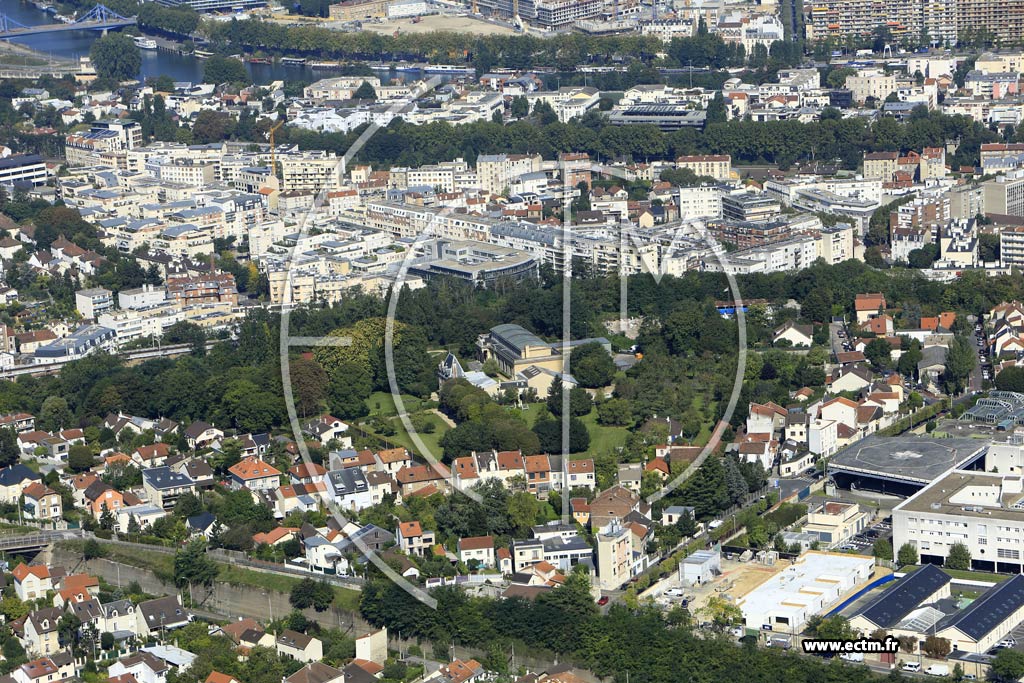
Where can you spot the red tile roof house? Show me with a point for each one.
(478, 549)
(255, 475)
(413, 539)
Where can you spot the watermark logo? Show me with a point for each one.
(630, 252)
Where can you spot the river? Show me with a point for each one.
(74, 44)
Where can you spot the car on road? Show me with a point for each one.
(674, 593)
(603, 600)
(911, 666)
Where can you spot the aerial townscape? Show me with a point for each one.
(511, 341)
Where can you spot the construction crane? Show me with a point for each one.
(273, 156)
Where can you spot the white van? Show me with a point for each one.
(852, 656)
(912, 667)
(937, 670)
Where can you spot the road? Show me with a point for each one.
(835, 341)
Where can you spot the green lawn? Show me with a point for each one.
(603, 439)
(966, 575)
(383, 403)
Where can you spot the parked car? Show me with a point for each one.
(911, 666)
(603, 600)
(1008, 642)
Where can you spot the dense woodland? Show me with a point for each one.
(781, 143)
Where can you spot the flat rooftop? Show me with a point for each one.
(817, 578)
(907, 458)
(965, 493)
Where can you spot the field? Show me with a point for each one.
(382, 404)
(603, 439)
(441, 23)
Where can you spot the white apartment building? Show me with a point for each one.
(1005, 194)
(982, 510)
(704, 201)
(495, 171)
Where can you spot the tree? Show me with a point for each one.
(309, 593)
(116, 56)
(878, 352)
(835, 628)
(837, 77)
(935, 647)
(91, 550)
(549, 433)
(882, 549)
(592, 366)
(9, 451)
(193, 566)
(907, 555)
(210, 126)
(310, 384)
(960, 362)
(1009, 379)
(219, 69)
(520, 107)
(721, 613)
(716, 112)
(365, 91)
(923, 257)
(54, 414)
(1007, 666)
(615, 411)
(80, 458)
(959, 557)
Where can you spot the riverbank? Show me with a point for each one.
(14, 54)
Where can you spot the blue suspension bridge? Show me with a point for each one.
(99, 18)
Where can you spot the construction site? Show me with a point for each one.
(775, 594)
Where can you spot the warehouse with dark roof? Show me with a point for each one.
(894, 604)
(980, 626)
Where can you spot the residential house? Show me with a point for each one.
(327, 428)
(43, 504)
(299, 646)
(478, 549)
(868, 306)
(317, 672)
(161, 614)
(255, 475)
(40, 634)
(143, 666)
(200, 434)
(580, 474)
(538, 474)
(412, 539)
(792, 334)
(164, 486)
(153, 455)
(43, 670)
(349, 489)
(418, 477)
(31, 582)
(13, 480)
(391, 460)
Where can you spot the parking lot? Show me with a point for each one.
(864, 542)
